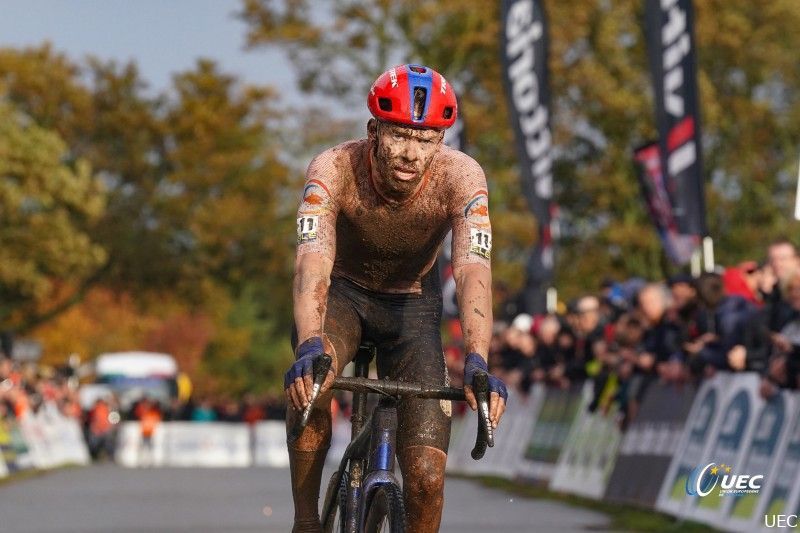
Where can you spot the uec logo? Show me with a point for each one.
(703, 479)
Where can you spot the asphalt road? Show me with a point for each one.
(109, 499)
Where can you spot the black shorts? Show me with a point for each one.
(405, 328)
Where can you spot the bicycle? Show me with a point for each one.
(363, 494)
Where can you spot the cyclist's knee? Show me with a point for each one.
(423, 472)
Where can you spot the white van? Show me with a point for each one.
(134, 375)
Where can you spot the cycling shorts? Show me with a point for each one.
(405, 328)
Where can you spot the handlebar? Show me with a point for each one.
(480, 387)
(485, 434)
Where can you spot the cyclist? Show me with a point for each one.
(372, 218)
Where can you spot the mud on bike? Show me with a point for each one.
(363, 494)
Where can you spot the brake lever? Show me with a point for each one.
(485, 437)
(321, 368)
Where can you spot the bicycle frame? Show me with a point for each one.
(371, 452)
(367, 474)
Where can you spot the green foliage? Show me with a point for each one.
(47, 208)
(263, 351)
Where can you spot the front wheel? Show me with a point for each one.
(335, 521)
(386, 513)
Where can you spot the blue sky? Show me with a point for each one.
(162, 36)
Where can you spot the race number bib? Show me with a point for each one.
(307, 228)
(480, 242)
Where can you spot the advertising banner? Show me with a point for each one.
(269, 444)
(524, 49)
(678, 247)
(782, 497)
(549, 429)
(51, 439)
(515, 431)
(721, 476)
(587, 460)
(649, 443)
(671, 50)
(132, 451)
(694, 445)
(212, 444)
(458, 459)
(745, 510)
(728, 448)
(3, 468)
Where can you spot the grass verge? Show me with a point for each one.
(622, 517)
(31, 473)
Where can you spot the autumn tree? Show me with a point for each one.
(47, 210)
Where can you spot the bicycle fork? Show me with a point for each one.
(380, 468)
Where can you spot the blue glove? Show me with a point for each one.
(473, 364)
(307, 353)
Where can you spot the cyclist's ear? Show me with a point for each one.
(372, 130)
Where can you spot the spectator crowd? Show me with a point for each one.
(629, 334)
(27, 388)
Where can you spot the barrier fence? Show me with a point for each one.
(721, 454)
(677, 437)
(41, 440)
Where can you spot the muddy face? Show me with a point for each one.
(401, 156)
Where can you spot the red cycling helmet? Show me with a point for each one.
(394, 93)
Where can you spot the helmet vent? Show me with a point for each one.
(420, 93)
(418, 70)
(385, 104)
(447, 112)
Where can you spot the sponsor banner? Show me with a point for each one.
(269, 444)
(510, 438)
(678, 247)
(671, 50)
(458, 452)
(767, 444)
(340, 439)
(587, 460)
(728, 448)
(3, 468)
(524, 50)
(701, 424)
(52, 439)
(132, 451)
(647, 446)
(185, 444)
(517, 434)
(784, 499)
(549, 427)
(708, 485)
(39, 443)
(209, 444)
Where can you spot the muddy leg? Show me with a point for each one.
(423, 487)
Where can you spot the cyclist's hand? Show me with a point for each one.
(299, 379)
(497, 389)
